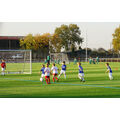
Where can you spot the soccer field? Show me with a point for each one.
(97, 83)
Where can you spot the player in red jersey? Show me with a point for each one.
(47, 74)
(3, 67)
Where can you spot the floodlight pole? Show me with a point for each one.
(86, 47)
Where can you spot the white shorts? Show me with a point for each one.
(110, 74)
(62, 72)
(81, 74)
(42, 75)
(3, 69)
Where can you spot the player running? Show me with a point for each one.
(63, 70)
(3, 67)
(81, 73)
(55, 72)
(43, 73)
(58, 61)
(47, 74)
(75, 61)
(109, 70)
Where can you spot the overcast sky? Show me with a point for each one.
(99, 34)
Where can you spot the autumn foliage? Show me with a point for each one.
(65, 37)
(35, 42)
(116, 40)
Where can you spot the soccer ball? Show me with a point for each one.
(41, 79)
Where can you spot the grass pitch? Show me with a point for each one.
(97, 83)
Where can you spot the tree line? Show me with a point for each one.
(65, 37)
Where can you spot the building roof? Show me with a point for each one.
(10, 37)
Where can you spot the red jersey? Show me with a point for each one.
(3, 65)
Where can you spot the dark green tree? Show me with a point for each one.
(70, 36)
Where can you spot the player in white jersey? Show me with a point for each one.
(47, 74)
(54, 69)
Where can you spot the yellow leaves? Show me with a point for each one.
(116, 40)
(35, 42)
(56, 42)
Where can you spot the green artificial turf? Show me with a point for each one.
(97, 83)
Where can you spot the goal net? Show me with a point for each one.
(17, 61)
(59, 57)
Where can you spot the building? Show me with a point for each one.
(10, 42)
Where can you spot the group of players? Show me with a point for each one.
(46, 71)
(93, 60)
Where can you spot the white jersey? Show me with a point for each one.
(47, 71)
(55, 70)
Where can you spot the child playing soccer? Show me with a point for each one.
(45, 61)
(63, 70)
(97, 60)
(90, 60)
(55, 72)
(55, 60)
(75, 61)
(109, 70)
(94, 61)
(47, 74)
(43, 73)
(3, 67)
(81, 73)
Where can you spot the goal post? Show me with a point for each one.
(17, 61)
(59, 57)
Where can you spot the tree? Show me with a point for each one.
(116, 40)
(101, 50)
(41, 41)
(75, 40)
(63, 33)
(69, 36)
(56, 43)
(36, 42)
(27, 42)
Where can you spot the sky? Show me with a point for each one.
(98, 34)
